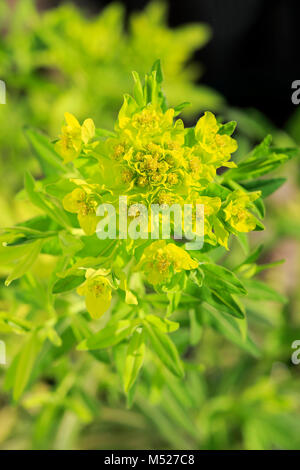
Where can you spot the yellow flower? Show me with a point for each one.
(216, 148)
(214, 231)
(160, 260)
(74, 137)
(211, 204)
(97, 292)
(236, 213)
(80, 202)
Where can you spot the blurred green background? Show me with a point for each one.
(69, 59)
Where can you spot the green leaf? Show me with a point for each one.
(68, 283)
(163, 324)
(52, 247)
(128, 107)
(93, 247)
(76, 268)
(174, 300)
(54, 212)
(134, 359)
(227, 128)
(257, 167)
(180, 107)
(25, 263)
(138, 89)
(50, 161)
(248, 268)
(190, 139)
(252, 257)
(216, 190)
(262, 267)
(259, 207)
(152, 87)
(25, 365)
(53, 337)
(40, 224)
(11, 323)
(197, 277)
(196, 328)
(109, 336)
(262, 160)
(231, 328)
(69, 243)
(219, 279)
(259, 225)
(225, 301)
(156, 67)
(13, 253)
(244, 242)
(267, 187)
(165, 350)
(258, 290)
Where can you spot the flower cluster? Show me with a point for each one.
(152, 154)
(161, 260)
(152, 158)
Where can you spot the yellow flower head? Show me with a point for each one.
(97, 292)
(74, 137)
(161, 259)
(82, 203)
(208, 137)
(236, 213)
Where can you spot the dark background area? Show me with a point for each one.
(252, 58)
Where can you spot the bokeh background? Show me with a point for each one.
(235, 58)
(252, 56)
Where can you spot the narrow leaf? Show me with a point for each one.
(25, 263)
(134, 359)
(67, 284)
(165, 350)
(25, 365)
(109, 336)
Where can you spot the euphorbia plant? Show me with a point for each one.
(137, 292)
